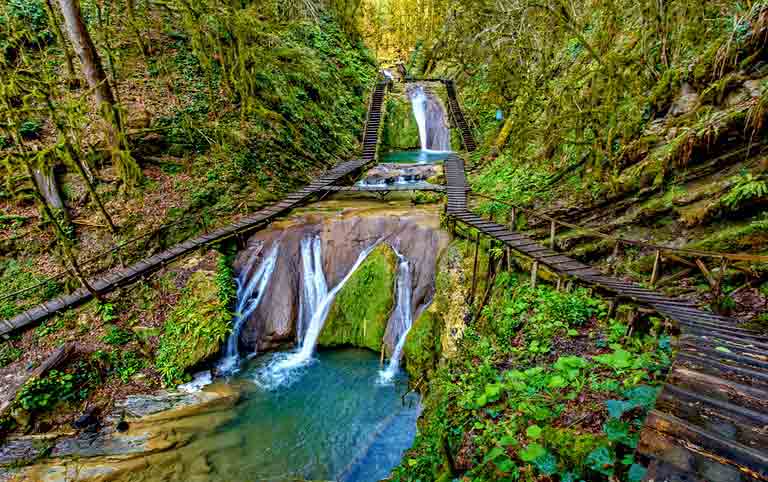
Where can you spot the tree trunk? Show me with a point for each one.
(98, 82)
(80, 166)
(131, 10)
(59, 231)
(68, 65)
(86, 51)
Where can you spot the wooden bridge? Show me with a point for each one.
(710, 421)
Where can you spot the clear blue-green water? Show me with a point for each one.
(414, 157)
(332, 422)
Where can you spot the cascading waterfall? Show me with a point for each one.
(430, 118)
(278, 371)
(315, 288)
(403, 316)
(419, 104)
(247, 302)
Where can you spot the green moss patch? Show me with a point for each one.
(361, 310)
(422, 348)
(198, 324)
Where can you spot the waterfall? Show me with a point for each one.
(247, 302)
(315, 288)
(319, 304)
(419, 104)
(430, 118)
(403, 315)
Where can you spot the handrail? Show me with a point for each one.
(95, 257)
(632, 242)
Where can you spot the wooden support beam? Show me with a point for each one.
(534, 274)
(656, 268)
(706, 272)
(718, 288)
(474, 270)
(674, 277)
(552, 231)
(512, 219)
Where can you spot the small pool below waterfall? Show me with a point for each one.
(334, 422)
(414, 157)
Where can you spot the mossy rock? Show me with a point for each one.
(400, 132)
(359, 314)
(422, 347)
(198, 324)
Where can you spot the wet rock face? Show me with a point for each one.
(385, 174)
(273, 323)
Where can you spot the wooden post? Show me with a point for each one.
(552, 229)
(719, 283)
(509, 258)
(656, 267)
(612, 305)
(569, 286)
(559, 283)
(474, 270)
(534, 273)
(512, 219)
(706, 272)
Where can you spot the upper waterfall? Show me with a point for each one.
(434, 134)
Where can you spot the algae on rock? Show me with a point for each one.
(359, 315)
(199, 324)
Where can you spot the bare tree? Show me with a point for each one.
(97, 80)
(89, 58)
(68, 64)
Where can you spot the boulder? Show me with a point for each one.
(686, 101)
(359, 314)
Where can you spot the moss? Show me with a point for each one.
(361, 310)
(422, 348)
(750, 237)
(400, 130)
(198, 324)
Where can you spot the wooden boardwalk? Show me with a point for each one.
(710, 422)
(258, 220)
(387, 188)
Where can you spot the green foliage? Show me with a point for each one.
(42, 394)
(16, 275)
(508, 405)
(748, 188)
(117, 336)
(123, 364)
(9, 354)
(198, 324)
(105, 311)
(30, 129)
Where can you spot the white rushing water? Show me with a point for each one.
(282, 368)
(403, 316)
(315, 288)
(249, 294)
(434, 135)
(419, 105)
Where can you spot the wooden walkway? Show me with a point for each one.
(387, 188)
(710, 422)
(258, 220)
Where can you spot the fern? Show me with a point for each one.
(747, 188)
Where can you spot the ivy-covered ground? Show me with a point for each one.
(544, 385)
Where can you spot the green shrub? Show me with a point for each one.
(117, 336)
(198, 324)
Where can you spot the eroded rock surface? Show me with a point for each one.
(343, 238)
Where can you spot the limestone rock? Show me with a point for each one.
(686, 101)
(360, 312)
